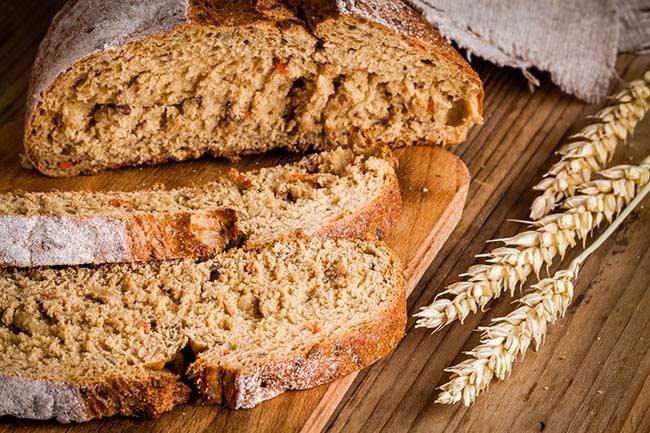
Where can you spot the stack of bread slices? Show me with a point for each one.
(234, 291)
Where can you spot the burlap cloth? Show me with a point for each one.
(575, 41)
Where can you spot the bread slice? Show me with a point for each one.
(337, 193)
(84, 342)
(129, 82)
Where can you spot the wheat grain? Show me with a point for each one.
(593, 147)
(510, 336)
(508, 267)
(507, 338)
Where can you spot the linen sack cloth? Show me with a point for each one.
(575, 41)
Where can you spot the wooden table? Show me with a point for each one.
(593, 371)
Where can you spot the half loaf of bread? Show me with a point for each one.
(337, 193)
(129, 82)
(84, 342)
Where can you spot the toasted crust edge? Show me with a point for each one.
(46, 240)
(374, 221)
(322, 363)
(187, 234)
(66, 401)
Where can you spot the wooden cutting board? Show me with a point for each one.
(434, 185)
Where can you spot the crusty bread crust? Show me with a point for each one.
(373, 221)
(148, 396)
(55, 57)
(48, 240)
(186, 234)
(324, 362)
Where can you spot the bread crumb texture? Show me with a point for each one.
(237, 78)
(239, 311)
(305, 197)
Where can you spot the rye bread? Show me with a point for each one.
(93, 341)
(339, 194)
(128, 82)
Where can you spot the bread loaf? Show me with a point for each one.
(84, 342)
(332, 194)
(128, 82)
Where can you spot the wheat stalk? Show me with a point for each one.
(593, 147)
(510, 336)
(509, 267)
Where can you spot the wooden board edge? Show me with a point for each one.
(414, 270)
(437, 238)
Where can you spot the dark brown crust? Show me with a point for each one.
(187, 234)
(240, 13)
(151, 396)
(322, 363)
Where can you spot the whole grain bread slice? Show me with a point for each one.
(338, 193)
(128, 82)
(92, 341)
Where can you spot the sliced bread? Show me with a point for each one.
(128, 82)
(337, 193)
(84, 342)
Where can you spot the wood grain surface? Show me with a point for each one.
(592, 373)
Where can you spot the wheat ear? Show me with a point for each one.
(510, 336)
(592, 148)
(509, 267)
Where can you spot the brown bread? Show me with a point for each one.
(85, 342)
(337, 194)
(129, 82)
